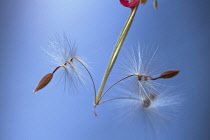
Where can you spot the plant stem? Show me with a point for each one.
(117, 83)
(94, 87)
(119, 98)
(70, 62)
(116, 52)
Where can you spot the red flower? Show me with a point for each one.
(126, 3)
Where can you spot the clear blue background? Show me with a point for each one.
(180, 28)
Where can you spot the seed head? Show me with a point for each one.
(136, 61)
(63, 54)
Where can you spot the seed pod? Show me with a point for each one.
(44, 81)
(169, 74)
(155, 4)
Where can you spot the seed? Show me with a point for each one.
(169, 74)
(44, 81)
(147, 101)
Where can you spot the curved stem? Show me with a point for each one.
(153, 78)
(128, 98)
(119, 98)
(116, 83)
(58, 68)
(70, 62)
(89, 75)
(139, 78)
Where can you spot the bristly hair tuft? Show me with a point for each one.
(145, 99)
(63, 53)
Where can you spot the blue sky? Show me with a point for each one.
(180, 29)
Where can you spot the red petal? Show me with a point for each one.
(126, 3)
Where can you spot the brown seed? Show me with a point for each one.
(169, 74)
(44, 81)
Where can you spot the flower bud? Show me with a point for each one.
(169, 74)
(44, 81)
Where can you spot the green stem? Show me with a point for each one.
(116, 52)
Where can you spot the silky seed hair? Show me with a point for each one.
(140, 61)
(155, 116)
(69, 68)
(60, 50)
